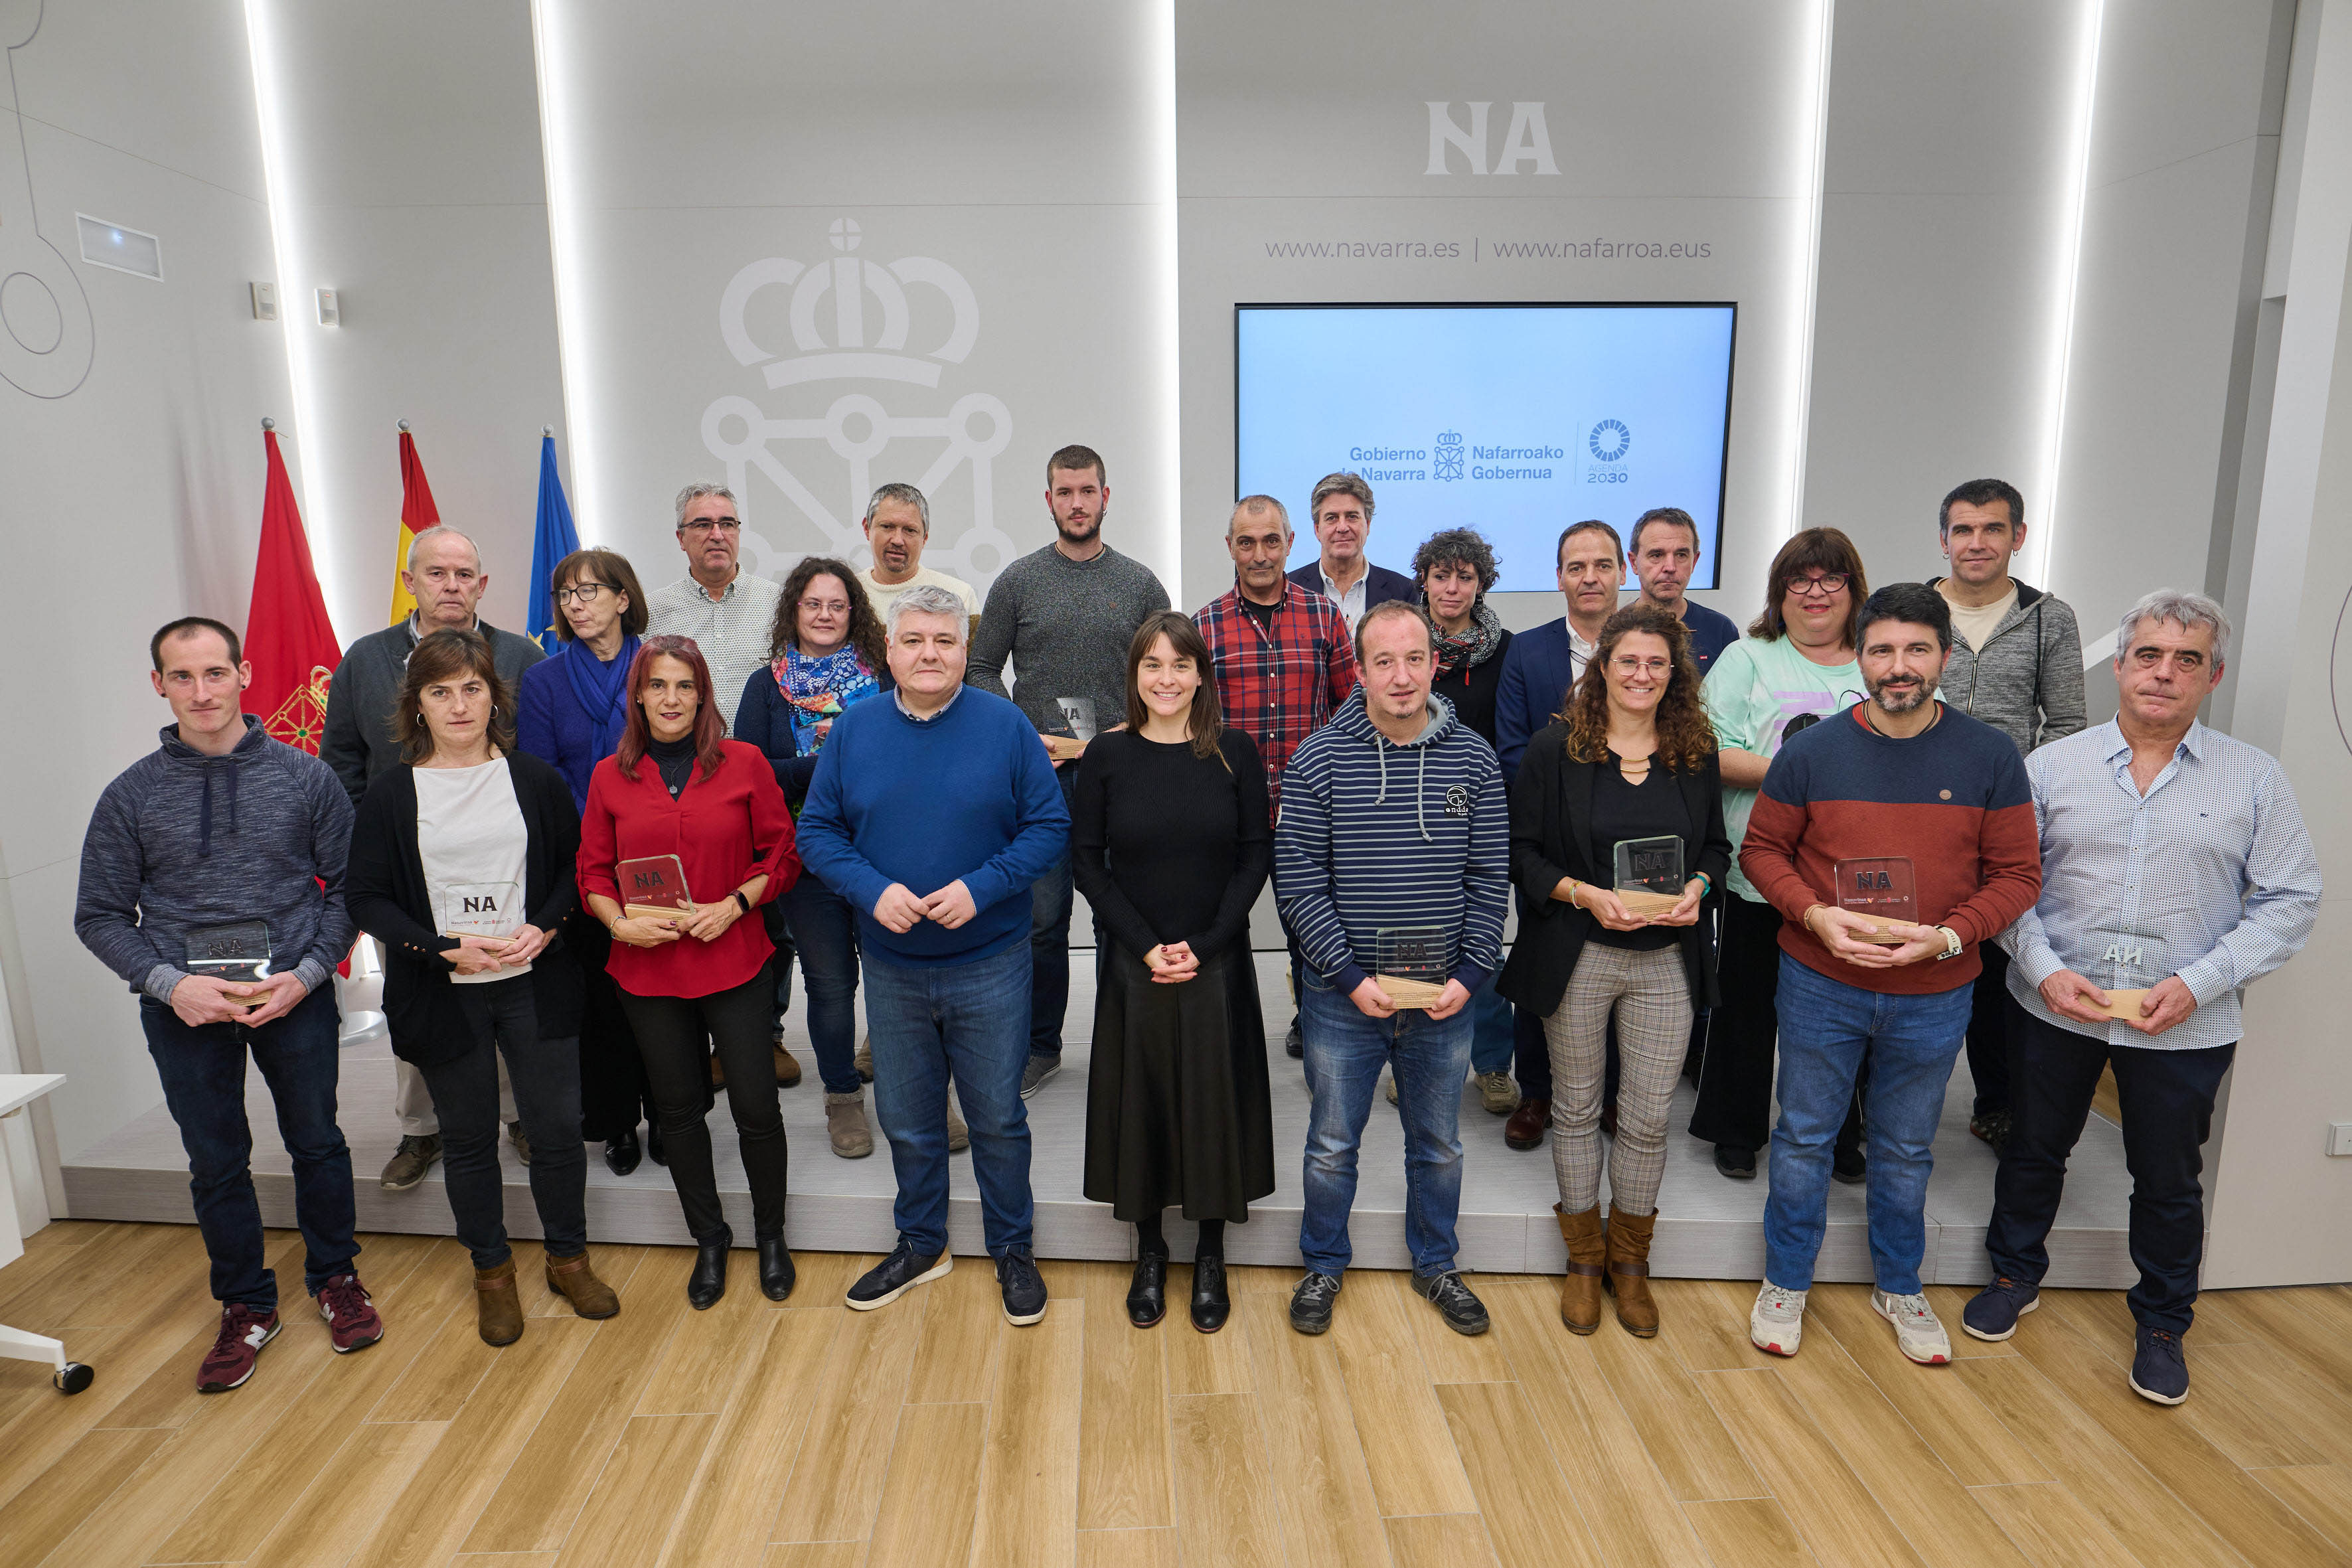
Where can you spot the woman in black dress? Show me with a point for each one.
(1169, 844)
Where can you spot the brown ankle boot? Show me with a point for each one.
(1629, 1271)
(575, 1280)
(498, 1307)
(1588, 1248)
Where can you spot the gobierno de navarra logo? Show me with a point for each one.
(1447, 459)
(1608, 440)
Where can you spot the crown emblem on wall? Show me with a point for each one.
(849, 317)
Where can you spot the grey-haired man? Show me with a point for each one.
(728, 613)
(897, 526)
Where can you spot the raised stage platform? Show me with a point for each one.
(1708, 1227)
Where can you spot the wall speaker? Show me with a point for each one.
(119, 249)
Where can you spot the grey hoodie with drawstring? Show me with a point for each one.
(1384, 836)
(182, 840)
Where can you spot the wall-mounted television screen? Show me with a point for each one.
(1515, 420)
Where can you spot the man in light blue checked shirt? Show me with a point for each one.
(2175, 870)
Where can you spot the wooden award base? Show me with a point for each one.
(655, 912)
(1642, 901)
(1417, 994)
(2125, 1005)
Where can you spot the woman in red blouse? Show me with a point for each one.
(677, 787)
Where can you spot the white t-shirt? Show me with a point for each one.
(471, 842)
(1977, 624)
(885, 595)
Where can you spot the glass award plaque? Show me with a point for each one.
(480, 909)
(1411, 963)
(1884, 889)
(654, 888)
(237, 952)
(2128, 966)
(1650, 875)
(1077, 716)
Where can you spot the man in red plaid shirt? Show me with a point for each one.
(1283, 658)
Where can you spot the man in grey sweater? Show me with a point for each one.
(2017, 664)
(1063, 616)
(445, 575)
(224, 844)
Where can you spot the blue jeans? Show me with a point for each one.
(203, 1069)
(1827, 1027)
(824, 929)
(1344, 1052)
(970, 1020)
(1491, 1031)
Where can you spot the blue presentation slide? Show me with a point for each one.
(1515, 420)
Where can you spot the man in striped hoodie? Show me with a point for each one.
(1393, 821)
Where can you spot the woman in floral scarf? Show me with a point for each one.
(826, 653)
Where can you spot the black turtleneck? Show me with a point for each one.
(674, 759)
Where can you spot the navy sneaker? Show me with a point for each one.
(895, 1276)
(1024, 1287)
(1992, 1314)
(2159, 1371)
(1310, 1304)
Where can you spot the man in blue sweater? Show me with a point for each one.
(224, 844)
(1391, 864)
(933, 813)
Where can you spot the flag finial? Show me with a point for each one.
(403, 426)
(547, 429)
(268, 423)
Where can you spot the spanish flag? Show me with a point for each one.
(417, 513)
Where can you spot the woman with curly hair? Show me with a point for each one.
(825, 653)
(1634, 758)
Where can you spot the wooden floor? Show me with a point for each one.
(930, 1433)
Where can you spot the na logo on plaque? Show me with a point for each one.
(853, 321)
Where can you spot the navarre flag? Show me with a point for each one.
(287, 636)
(553, 539)
(417, 513)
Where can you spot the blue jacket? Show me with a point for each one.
(967, 794)
(1710, 633)
(1537, 674)
(763, 717)
(1380, 584)
(1375, 835)
(551, 725)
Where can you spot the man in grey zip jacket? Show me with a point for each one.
(1391, 860)
(221, 826)
(2017, 664)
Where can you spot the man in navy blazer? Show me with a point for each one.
(1342, 510)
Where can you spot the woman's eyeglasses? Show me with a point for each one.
(585, 593)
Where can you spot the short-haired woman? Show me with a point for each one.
(1796, 667)
(1455, 569)
(570, 715)
(1169, 844)
(1634, 759)
(677, 786)
(825, 653)
(461, 865)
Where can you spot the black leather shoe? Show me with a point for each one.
(622, 1154)
(1147, 1298)
(1211, 1306)
(653, 1150)
(1849, 1166)
(1738, 1164)
(776, 1271)
(1294, 1044)
(708, 1280)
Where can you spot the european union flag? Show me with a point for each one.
(551, 540)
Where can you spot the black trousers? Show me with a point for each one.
(613, 1094)
(1988, 1042)
(676, 1037)
(1735, 1080)
(546, 1079)
(2167, 1100)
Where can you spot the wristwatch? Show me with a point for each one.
(1953, 945)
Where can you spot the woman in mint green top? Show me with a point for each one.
(1794, 668)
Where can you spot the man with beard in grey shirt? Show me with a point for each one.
(1063, 616)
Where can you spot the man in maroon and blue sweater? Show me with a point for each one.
(1900, 777)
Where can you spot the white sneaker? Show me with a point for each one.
(1778, 1320)
(1917, 1334)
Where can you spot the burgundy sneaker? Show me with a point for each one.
(243, 1332)
(350, 1315)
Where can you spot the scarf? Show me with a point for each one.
(601, 688)
(1471, 649)
(818, 690)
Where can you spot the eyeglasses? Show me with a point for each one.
(724, 525)
(585, 593)
(1825, 582)
(824, 606)
(1628, 665)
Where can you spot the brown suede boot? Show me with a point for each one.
(1629, 1271)
(1588, 1248)
(574, 1279)
(498, 1307)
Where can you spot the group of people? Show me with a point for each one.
(1869, 831)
